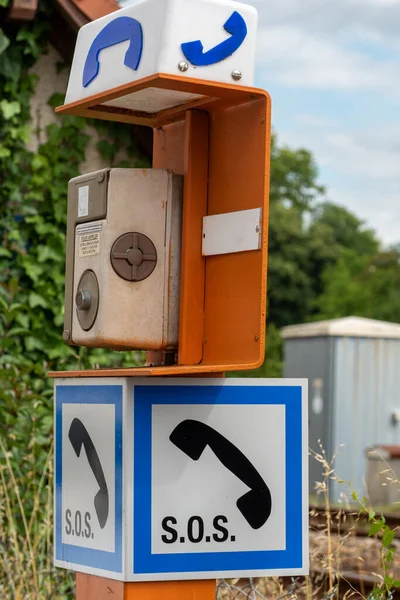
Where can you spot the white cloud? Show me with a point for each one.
(315, 121)
(364, 170)
(297, 59)
(332, 16)
(381, 212)
(374, 155)
(356, 155)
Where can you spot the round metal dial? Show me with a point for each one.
(87, 300)
(133, 256)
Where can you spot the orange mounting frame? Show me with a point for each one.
(221, 144)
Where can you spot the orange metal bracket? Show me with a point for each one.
(221, 144)
(89, 587)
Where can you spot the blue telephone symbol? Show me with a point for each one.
(119, 30)
(236, 26)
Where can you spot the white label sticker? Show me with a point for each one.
(88, 228)
(89, 244)
(83, 201)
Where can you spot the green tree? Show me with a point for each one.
(363, 286)
(307, 234)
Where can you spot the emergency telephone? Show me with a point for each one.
(123, 259)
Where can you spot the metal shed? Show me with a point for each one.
(353, 368)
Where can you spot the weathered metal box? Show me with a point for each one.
(123, 259)
(353, 367)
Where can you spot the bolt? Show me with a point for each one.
(262, 120)
(237, 75)
(183, 66)
(257, 338)
(101, 177)
(258, 229)
(66, 335)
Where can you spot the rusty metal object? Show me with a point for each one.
(80, 12)
(72, 15)
(22, 10)
(94, 9)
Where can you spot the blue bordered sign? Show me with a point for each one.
(88, 477)
(220, 479)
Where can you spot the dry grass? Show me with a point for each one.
(26, 569)
(27, 572)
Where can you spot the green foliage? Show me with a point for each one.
(362, 285)
(323, 262)
(33, 199)
(306, 237)
(293, 177)
(378, 527)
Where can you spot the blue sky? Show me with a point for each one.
(332, 68)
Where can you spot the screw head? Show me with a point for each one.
(101, 177)
(237, 75)
(183, 66)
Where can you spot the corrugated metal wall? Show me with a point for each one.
(311, 359)
(360, 390)
(366, 391)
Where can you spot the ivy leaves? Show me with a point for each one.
(4, 41)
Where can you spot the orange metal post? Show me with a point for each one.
(183, 148)
(89, 587)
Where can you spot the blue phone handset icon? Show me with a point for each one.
(119, 30)
(236, 26)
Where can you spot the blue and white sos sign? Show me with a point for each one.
(88, 477)
(210, 475)
(204, 39)
(220, 479)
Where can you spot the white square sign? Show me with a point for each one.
(88, 469)
(88, 465)
(220, 479)
(195, 501)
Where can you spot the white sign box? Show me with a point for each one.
(202, 39)
(214, 474)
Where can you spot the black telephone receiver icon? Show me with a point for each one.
(192, 437)
(79, 436)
